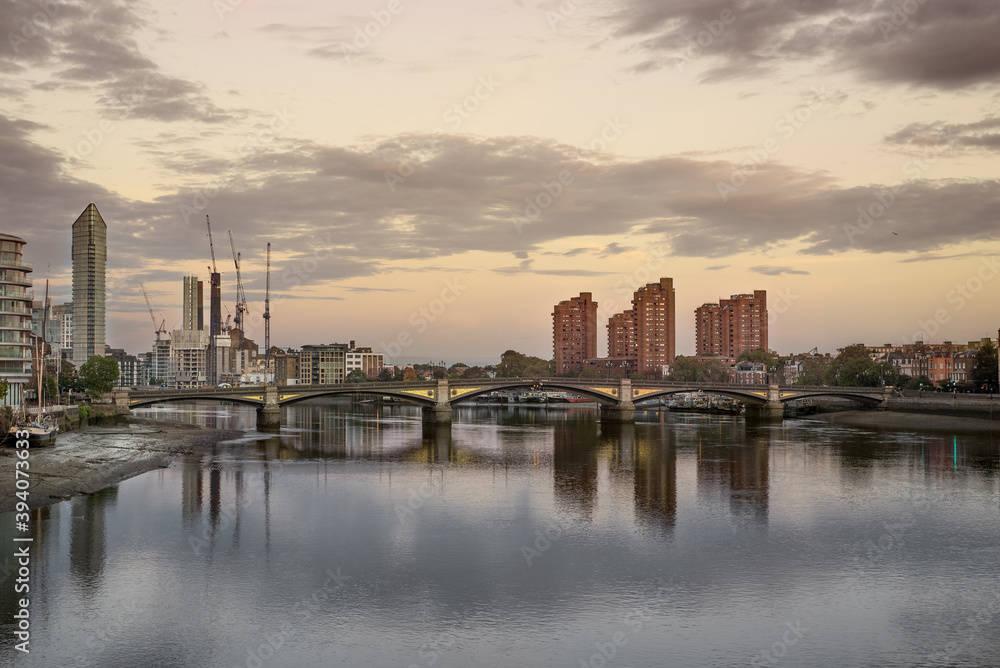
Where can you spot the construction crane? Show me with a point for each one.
(162, 329)
(267, 316)
(211, 246)
(241, 297)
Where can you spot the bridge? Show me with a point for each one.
(616, 398)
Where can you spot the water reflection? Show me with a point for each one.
(575, 452)
(87, 538)
(431, 523)
(655, 457)
(733, 467)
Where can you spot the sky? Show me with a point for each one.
(434, 177)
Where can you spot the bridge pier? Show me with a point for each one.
(269, 415)
(624, 410)
(436, 414)
(773, 409)
(440, 411)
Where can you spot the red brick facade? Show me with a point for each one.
(574, 332)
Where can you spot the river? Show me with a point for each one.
(523, 536)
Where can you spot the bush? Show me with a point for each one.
(85, 413)
(6, 419)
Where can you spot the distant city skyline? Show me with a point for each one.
(446, 180)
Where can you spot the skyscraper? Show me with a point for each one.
(574, 332)
(194, 310)
(90, 256)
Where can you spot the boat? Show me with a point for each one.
(41, 432)
(43, 429)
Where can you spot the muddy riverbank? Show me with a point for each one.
(85, 461)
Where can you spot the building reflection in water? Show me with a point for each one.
(191, 480)
(43, 550)
(654, 458)
(575, 448)
(733, 466)
(87, 539)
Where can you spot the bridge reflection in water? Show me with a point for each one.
(637, 461)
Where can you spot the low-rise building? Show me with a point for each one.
(364, 360)
(323, 364)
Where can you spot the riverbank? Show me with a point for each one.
(88, 460)
(909, 421)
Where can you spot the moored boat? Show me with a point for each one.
(40, 432)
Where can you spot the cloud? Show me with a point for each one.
(945, 44)
(717, 267)
(983, 135)
(770, 270)
(330, 214)
(93, 46)
(613, 249)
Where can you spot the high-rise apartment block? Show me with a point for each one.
(15, 352)
(574, 332)
(732, 326)
(90, 256)
(622, 342)
(655, 324)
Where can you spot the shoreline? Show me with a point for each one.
(899, 421)
(100, 457)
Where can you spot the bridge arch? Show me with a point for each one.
(417, 396)
(867, 399)
(150, 401)
(606, 396)
(743, 395)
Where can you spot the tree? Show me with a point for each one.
(98, 375)
(813, 371)
(386, 374)
(684, 369)
(511, 364)
(356, 376)
(760, 356)
(693, 370)
(854, 367)
(409, 374)
(984, 370)
(68, 378)
(50, 390)
(712, 371)
(3, 388)
(474, 372)
(518, 365)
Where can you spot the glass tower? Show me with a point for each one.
(90, 256)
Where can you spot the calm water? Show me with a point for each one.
(525, 537)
